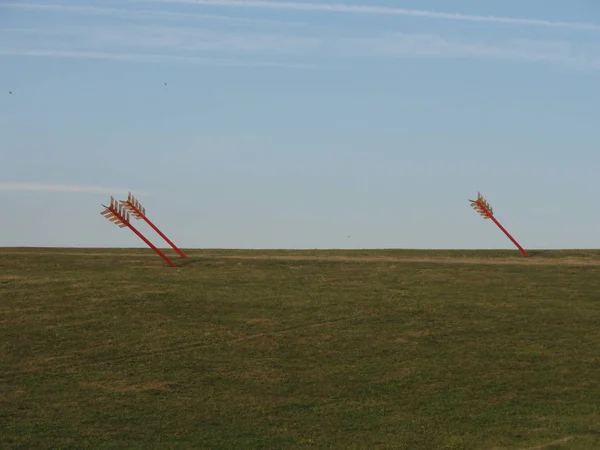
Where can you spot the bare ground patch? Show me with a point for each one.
(123, 386)
(438, 260)
(552, 444)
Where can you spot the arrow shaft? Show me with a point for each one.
(514, 241)
(143, 238)
(155, 228)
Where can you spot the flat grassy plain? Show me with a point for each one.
(299, 349)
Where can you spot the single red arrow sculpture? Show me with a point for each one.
(483, 208)
(118, 215)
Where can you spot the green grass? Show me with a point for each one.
(299, 349)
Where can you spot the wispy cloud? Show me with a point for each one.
(428, 45)
(380, 10)
(149, 58)
(155, 43)
(25, 186)
(190, 40)
(172, 45)
(138, 14)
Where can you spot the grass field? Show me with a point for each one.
(299, 349)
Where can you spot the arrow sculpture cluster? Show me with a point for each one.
(135, 208)
(119, 212)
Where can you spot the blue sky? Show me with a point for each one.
(295, 124)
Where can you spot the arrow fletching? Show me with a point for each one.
(133, 206)
(482, 207)
(116, 214)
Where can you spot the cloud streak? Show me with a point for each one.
(149, 58)
(172, 45)
(307, 49)
(380, 10)
(140, 14)
(524, 50)
(26, 186)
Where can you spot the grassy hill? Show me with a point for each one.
(299, 349)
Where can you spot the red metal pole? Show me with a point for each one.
(155, 228)
(143, 238)
(514, 241)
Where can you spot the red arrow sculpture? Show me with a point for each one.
(483, 208)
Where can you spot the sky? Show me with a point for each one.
(280, 124)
